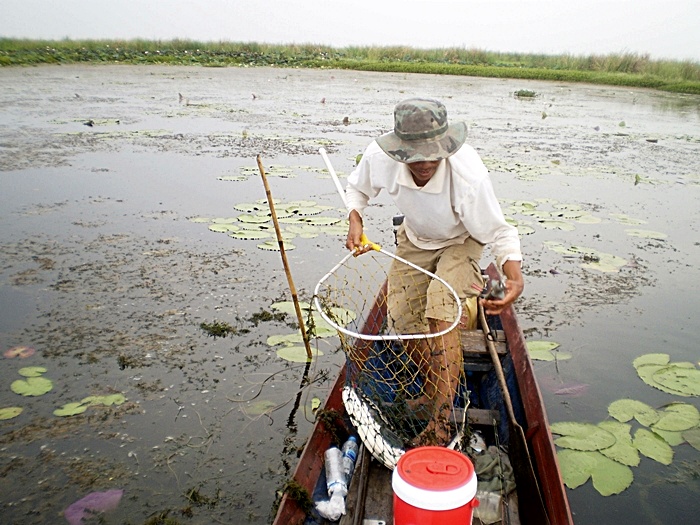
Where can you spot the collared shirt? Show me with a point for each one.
(457, 202)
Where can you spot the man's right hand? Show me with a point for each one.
(355, 231)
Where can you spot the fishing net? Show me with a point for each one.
(405, 381)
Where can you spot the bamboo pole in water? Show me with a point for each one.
(287, 271)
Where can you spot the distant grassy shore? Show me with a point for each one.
(627, 69)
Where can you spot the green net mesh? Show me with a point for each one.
(399, 328)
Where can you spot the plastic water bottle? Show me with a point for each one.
(350, 449)
(335, 479)
(337, 488)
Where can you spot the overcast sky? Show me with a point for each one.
(661, 28)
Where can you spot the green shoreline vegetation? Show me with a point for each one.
(626, 69)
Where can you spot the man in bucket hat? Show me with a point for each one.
(443, 189)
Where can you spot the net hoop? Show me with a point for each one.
(386, 337)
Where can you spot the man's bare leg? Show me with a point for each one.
(441, 382)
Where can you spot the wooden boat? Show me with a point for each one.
(540, 496)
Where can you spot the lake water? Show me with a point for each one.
(104, 272)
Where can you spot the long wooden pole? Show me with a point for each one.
(528, 485)
(280, 241)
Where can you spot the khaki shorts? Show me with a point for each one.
(414, 297)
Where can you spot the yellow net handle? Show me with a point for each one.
(366, 242)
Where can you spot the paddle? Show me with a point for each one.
(529, 494)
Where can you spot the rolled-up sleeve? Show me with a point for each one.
(360, 189)
(481, 214)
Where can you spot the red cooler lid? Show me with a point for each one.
(435, 468)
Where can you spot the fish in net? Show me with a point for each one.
(398, 325)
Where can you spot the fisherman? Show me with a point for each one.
(443, 189)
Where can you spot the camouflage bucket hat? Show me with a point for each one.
(421, 132)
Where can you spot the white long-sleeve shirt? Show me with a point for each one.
(457, 202)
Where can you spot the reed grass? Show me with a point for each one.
(626, 69)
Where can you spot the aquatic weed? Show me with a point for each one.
(299, 494)
(218, 329)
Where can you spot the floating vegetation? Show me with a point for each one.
(223, 228)
(549, 214)
(656, 370)
(75, 408)
(316, 326)
(302, 218)
(646, 234)
(544, 351)
(275, 246)
(19, 351)
(254, 219)
(609, 477)
(217, 329)
(585, 445)
(297, 354)
(525, 93)
(592, 258)
(10, 412)
(259, 407)
(34, 385)
(249, 235)
(625, 219)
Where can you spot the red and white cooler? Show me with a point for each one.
(434, 486)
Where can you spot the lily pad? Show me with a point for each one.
(253, 219)
(623, 451)
(249, 235)
(19, 351)
(10, 412)
(651, 359)
(288, 307)
(286, 339)
(606, 263)
(609, 477)
(672, 438)
(647, 373)
(646, 234)
(582, 436)
(576, 466)
(588, 219)
(678, 417)
(32, 371)
(32, 386)
(624, 219)
(541, 346)
(543, 351)
(304, 210)
(653, 446)
(680, 378)
(625, 409)
(273, 246)
(692, 436)
(223, 228)
(108, 400)
(259, 407)
(524, 229)
(297, 354)
(70, 409)
(550, 224)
